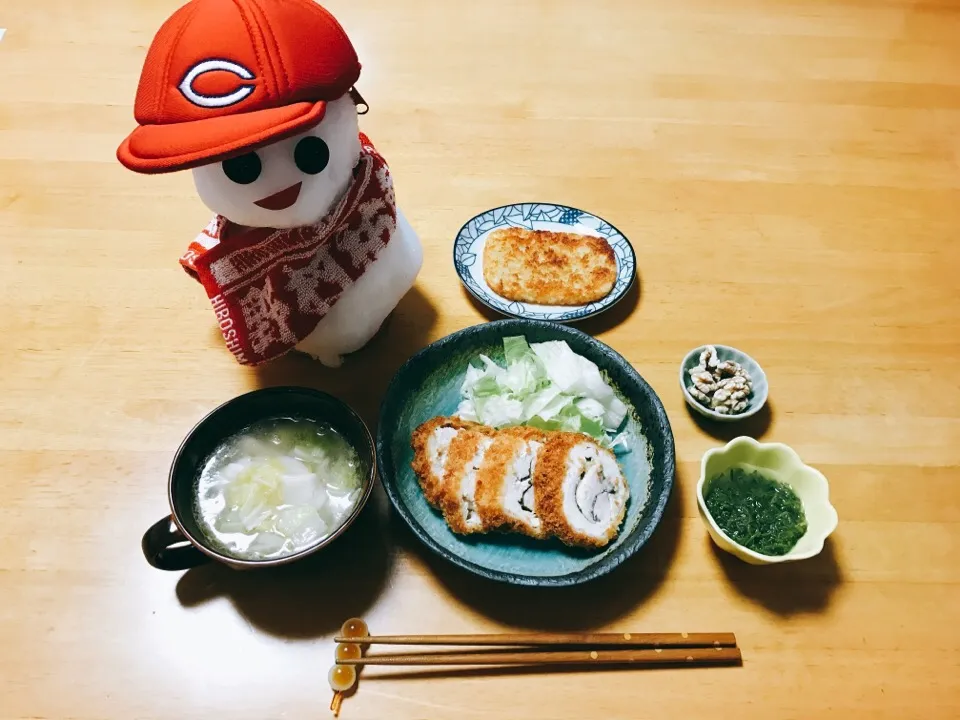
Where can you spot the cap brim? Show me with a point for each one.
(179, 146)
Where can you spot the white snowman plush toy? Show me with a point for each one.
(307, 250)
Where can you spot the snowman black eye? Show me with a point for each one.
(243, 170)
(311, 155)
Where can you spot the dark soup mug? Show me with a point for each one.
(177, 542)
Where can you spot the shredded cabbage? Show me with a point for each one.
(544, 385)
(278, 486)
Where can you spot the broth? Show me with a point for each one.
(277, 487)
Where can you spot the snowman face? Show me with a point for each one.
(291, 183)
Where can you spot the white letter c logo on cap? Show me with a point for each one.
(215, 101)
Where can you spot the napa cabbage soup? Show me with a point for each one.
(278, 487)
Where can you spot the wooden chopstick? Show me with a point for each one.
(636, 640)
(690, 656)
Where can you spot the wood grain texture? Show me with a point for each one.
(789, 173)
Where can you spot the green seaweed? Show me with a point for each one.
(756, 511)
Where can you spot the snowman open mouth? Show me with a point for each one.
(280, 200)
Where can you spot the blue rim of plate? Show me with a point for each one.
(467, 256)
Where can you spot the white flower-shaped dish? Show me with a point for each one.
(758, 398)
(780, 462)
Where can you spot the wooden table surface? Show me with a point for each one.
(787, 171)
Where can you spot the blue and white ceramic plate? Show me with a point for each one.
(468, 257)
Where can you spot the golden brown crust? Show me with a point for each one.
(429, 483)
(490, 480)
(548, 478)
(518, 435)
(525, 432)
(463, 448)
(548, 268)
(548, 485)
(548, 490)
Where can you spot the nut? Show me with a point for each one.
(704, 382)
(721, 386)
(700, 396)
(708, 358)
(727, 368)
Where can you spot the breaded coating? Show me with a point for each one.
(429, 461)
(499, 482)
(549, 479)
(548, 268)
(490, 481)
(461, 458)
(525, 432)
(522, 480)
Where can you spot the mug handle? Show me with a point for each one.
(166, 548)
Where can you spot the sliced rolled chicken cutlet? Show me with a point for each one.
(580, 491)
(458, 494)
(431, 446)
(505, 497)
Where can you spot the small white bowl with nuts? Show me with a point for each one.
(722, 383)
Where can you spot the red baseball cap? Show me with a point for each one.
(224, 76)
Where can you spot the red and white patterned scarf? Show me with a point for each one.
(269, 288)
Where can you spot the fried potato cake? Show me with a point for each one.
(548, 268)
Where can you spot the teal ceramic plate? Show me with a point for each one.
(428, 385)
